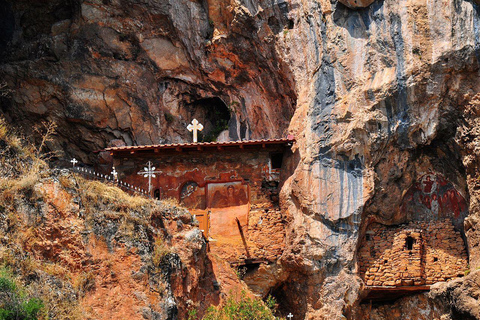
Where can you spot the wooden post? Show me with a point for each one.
(243, 237)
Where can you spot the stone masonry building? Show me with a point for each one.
(429, 247)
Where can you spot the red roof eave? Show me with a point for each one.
(284, 141)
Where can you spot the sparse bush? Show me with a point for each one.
(14, 304)
(192, 314)
(244, 308)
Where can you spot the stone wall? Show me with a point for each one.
(266, 230)
(413, 254)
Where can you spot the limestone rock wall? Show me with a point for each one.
(108, 70)
(376, 97)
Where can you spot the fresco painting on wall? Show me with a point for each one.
(227, 201)
(192, 196)
(224, 195)
(434, 197)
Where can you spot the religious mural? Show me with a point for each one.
(227, 201)
(192, 196)
(434, 197)
(230, 194)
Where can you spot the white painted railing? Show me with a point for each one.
(91, 174)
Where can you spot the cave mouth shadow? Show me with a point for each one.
(289, 300)
(7, 25)
(214, 115)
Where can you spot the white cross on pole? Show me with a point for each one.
(114, 173)
(150, 173)
(195, 126)
(290, 316)
(74, 162)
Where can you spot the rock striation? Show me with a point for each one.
(377, 94)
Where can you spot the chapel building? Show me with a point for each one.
(231, 188)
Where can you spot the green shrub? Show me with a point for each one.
(244, 308)
(14, 304)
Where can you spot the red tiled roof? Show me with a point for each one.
(290, 139)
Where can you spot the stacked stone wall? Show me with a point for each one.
(266, 231)
(417, 253)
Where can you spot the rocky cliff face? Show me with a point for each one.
(377, 93)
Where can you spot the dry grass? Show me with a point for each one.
(160, 251)
(22, 168)
(94, 193)
(84, 282)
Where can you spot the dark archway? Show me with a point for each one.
(214, 114)
(156, 194)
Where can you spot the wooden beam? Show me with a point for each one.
(156, 151)
(199, 148)
(178, 149)
(219, 148)
(241, 146)
(132, 152)
(243, 237)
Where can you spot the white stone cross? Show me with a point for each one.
(290, 316)
(114, 173)
(150, 173)
(195, 126)
(74, 162)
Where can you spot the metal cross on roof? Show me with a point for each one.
(195, 126)
(149, 172)
(74, 162)
(290, 316)
(114, 173)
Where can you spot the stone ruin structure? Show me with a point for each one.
(231, 187)
(428, 248)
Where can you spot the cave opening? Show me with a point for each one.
(214, 114)
(288, 300)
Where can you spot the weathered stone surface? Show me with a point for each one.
(376, 98)
(460, 297)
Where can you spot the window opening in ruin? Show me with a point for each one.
(385, 261)
(276, 159)
(367, 237)
(409, 243)
(435, 259)
(156, 194)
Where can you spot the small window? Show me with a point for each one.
(435, 259)
(409, 243)
(156, 194)
(367, 237)
(276, 160)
